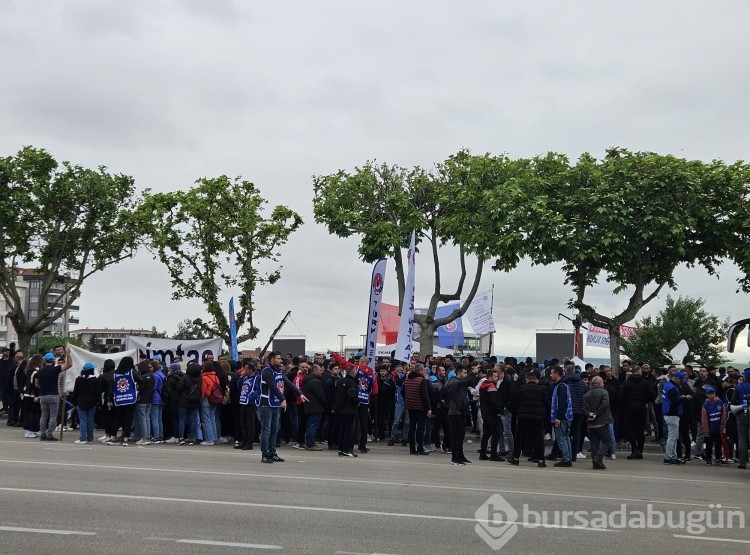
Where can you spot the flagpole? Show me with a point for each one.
(492, 308)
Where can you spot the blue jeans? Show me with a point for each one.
(188, 416)
(86, 418)
(142, 421)
(313, 421)
(269, 429)
(507, 420)
(208, 420)
(673, 427)
(157, 426)
(562, 439)
(400, 411)
(612, 441)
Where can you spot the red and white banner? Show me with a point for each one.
(599, 337)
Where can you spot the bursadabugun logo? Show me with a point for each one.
(496, 522)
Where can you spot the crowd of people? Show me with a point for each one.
(343, 405)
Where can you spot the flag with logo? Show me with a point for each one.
(376, 299)
(452, 333)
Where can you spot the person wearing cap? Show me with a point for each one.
(713, 423)
(742, 397)
(86, 394)
(49, 394)
(671, 402)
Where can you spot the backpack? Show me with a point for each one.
(215, 394)
(194, 394)
(164, 393)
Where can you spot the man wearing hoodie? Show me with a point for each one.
(189, 401)
(174, 375)
(531, 406)
(456, 394)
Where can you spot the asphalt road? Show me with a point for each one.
(64, 498)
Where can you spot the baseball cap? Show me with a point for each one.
(49, 357)
(710, 390)
(89, 366)
(680, 376)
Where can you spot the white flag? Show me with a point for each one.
(406, 324)
(480, 314)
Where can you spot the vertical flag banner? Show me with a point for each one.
(373, 317)
(406, 324)
(480, 314)
(232, 330)
(452, 333)
(388, 328)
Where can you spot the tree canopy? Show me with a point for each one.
(682, 318)
(63, 221)
(630, 219)
(214, 238)
(446, 205)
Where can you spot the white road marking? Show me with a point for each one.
(222, 544)
(570, 474)
(728, 540)
(290, 508)
(370, 482)
(46, 531)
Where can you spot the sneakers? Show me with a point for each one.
(445, 450)
(143, 441)
(103, 439)
(314, 448)
(634, 455)
(563, 464)
(513, 461)
(363, 450)
(31, 435)
(276, 458)
(80, 442)
(182, 441)
(580, 456)
(541, 464)
(611, 457)
(598, 465)
(347, 454)
(172, 440)
(266, 460)
(208, 443)
(457, 463)
(297, 445)
(390, 443)
(51, 438)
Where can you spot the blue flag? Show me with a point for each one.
(450, 334)
(232, 330)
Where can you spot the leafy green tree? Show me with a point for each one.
(630, 219)
(187, 330)
(214, 238)
(48, 342)
(383, 203)
(66, 223)
(684, 318)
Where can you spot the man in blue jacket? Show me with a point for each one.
(742, 397)
(671, 402)
(561, 416)
(271, 403)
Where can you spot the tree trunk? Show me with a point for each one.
(426, 340)
(614, 348)
(24, 343)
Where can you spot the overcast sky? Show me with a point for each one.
(278, 91)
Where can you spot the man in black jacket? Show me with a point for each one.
(531, 407)
(492, 408)
(345, 405)
(456, 395)
(313, 388)
(635, 395)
